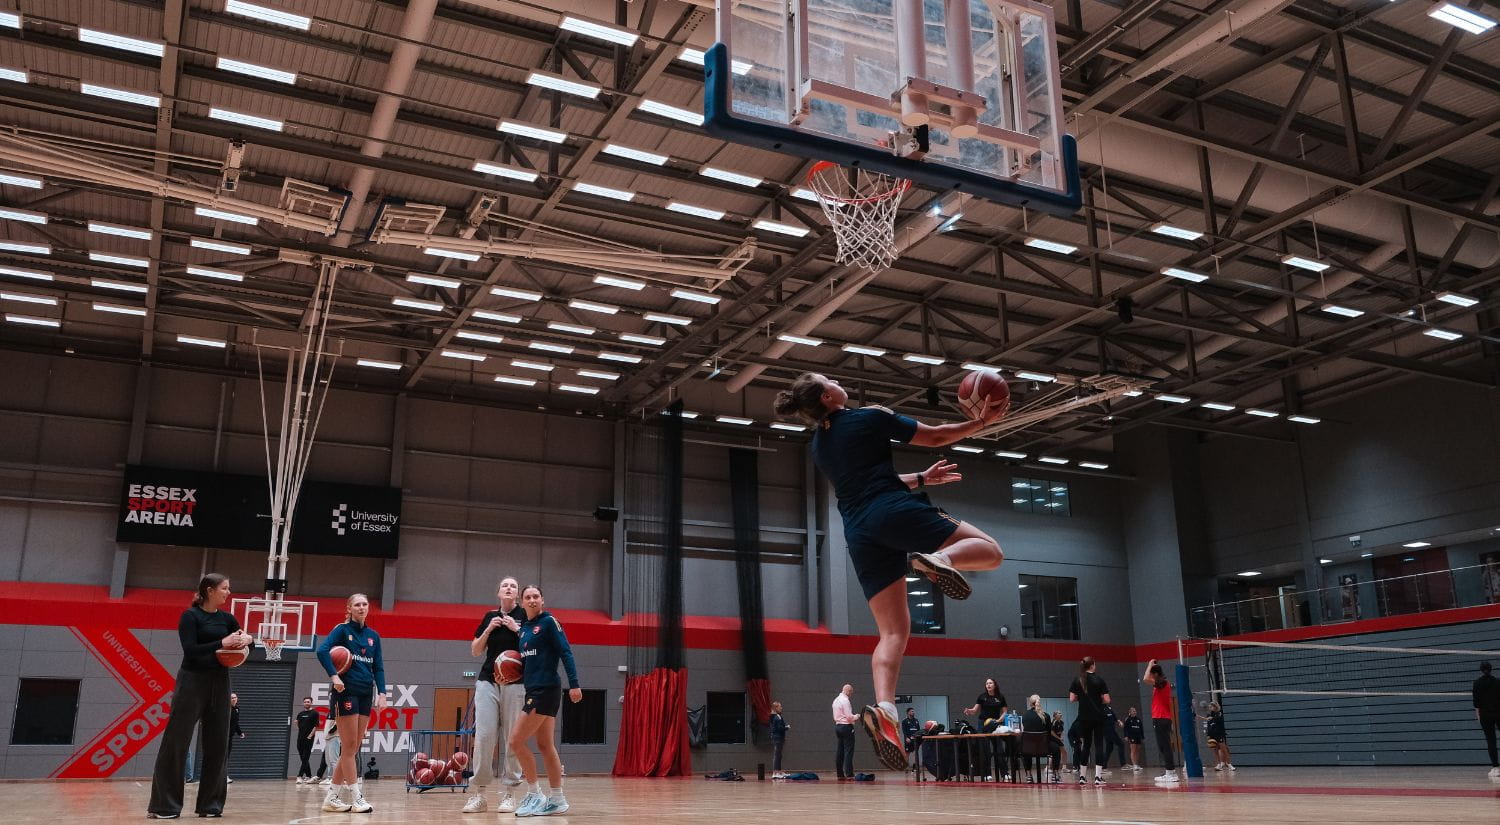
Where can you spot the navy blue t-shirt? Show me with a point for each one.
(853, 448)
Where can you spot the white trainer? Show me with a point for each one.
(1169, 776)
(1219, 767)
(359, 805)
(508, 804)
(475, 804)
(1495, 773)
(334, 803)
(1231, 767)
(326, 782)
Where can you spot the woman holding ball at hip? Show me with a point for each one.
(356, 693)
(543, 645)
(889, 523)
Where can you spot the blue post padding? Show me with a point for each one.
(1188, 724)
(719, 120)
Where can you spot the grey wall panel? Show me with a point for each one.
(178, 449)
(191, 399)
(1158, 605)
(77, 443)
(78, 386)
(22, 434)
(14, 524)
(68, 544)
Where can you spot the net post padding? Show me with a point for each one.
(861, 207)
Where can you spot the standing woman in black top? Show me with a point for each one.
(1092, 696)
(201, 697)
(990, 708)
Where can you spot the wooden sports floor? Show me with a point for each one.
(1281, 796)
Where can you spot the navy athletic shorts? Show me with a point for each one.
(893, 526)
(352, 703)
(544, 700)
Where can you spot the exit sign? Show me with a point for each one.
(470, 674)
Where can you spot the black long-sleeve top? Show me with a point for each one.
(202, 633)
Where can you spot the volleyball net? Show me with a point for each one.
(1360, 669)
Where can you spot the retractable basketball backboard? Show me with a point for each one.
(277, 624)
(888, 85)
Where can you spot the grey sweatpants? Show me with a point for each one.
(497, 709)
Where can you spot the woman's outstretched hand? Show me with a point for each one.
(942, 472)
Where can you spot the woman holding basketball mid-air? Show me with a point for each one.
(887, 525)
(200, 696)
(543, 645)
(356, 693)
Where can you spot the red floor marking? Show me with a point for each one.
(1063, 787)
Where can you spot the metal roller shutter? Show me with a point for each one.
(266, 711)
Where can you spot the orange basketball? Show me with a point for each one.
(981, 391)
(508, 667)
(342, 659)
(425, 777)
(232, 658)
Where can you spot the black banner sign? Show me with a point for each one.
(205, 509)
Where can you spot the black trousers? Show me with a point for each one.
(1490, 724)
(843, 760)
(1091, 737)
(304, 752)
(1163, 728)
(199, 699)
(776, 746)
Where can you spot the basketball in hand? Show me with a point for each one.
(232, 657)
(980, 392)
(342, 659)
(508, 668)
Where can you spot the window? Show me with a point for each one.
(45, 712)
(1038, 495)
(726, 718)
(1049, 607)
(583, 723)
(925, 603)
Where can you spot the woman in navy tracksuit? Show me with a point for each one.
(356, 692)
(543, 644)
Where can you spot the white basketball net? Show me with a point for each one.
(862, 210)
(272, 637)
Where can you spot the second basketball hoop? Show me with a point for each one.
(861, 207)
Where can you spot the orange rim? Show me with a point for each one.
(902, 184)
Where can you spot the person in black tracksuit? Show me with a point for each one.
(1112, 741)
(1487, 711)
(1092, 696)
(779, 727)
(357, 693)
(201, 697)
(307, 727)
(543, 647)
(1135, 734)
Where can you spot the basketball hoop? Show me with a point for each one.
(272, 637)
(862, 209)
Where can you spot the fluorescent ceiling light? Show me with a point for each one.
(20, 180)
(221, 215)
(32, 248)
(1217, 405)
(246, 120)
(576, 329)
(118, 286)
(975, 366)
(219, 246)
(455, 254)
(23, 215)
(202, 342)
(1172, 399)
(379, 365)
(781, 228)
(591, 306)
(918, 358)
(518, 294)
(497, 316)
(733, 419)
(1304, 419)
(578, 388)
(1304, 263)
(1325, 561)
(28, 298)
(32, 320)
(1133, 393)
(1047, 459)
(413, 303)
(622, 357)
(1093, 465)
(434, 280)
(511, 127)
(544, 346)
(519, 382)
(1263, 413)
(1366, 555)
(1184, 274)
(119, 310)
(696, 57)
(15, 75)
(623, 283)
(1010, 454)
(731, 177)
(687, 414)
(1176, 232)
(121, 42)
(122, 260)
(479, 336)
(859, 349)
(698, 211)
(650, 340)
(1248, 574)
(964, 448)
(502, 171)
(121, 231)
(256, 70)
(791, 428)
(1416, 544)
(670, 112)
(463, 356)
(634, 154)
(10, 19)
(209, 272)
(280, 18)
(531, 365)
(804, 194)
(30, 274)
(543, 80)
(598, 31)
(1457, 299)
(603, 191)
(1445, 334)
(699, 297)
(1027, 375)
(599, 374)
(663, 318)
(1462, 18)
(1051, 246)
(1068, 604)
(1347, 312)
(799, 339)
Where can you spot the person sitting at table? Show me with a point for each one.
(1035, 721)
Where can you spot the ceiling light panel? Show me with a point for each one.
(120, 260)
(230, 116)
(698, 297)
(781, 228)
(22, 215)
(1176, 232)
(670, 112)
(267, 15)
(635, 154)
(730, 177)
(544, 80)
(511, 127)
(518, 294)
(503, 171)
(598, 31)
(223, 215)
(20, 180)
(256, 70)
(121, 42)
(696, 211)
(593, 306)
(120, 231)
(603, 191)
(1051, 246)
(575, 329)
(649, 340)
(219, 274)
(623, 283)
(219, 246)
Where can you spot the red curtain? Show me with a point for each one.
(653, 725)
(760, 699)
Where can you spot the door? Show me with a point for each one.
(266, 711)
(451, 711)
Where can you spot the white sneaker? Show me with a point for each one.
(1231, 767)
(1219, 767)
(326, 782)
(229, 780)
(1170, 776)
(334, 802)
(508, 804)
(1494, 772)
(475, 804)
(360, 806)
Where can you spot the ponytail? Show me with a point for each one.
(206, 584)
(804, 399)
(1086, 664)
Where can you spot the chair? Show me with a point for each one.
(1034, 745)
